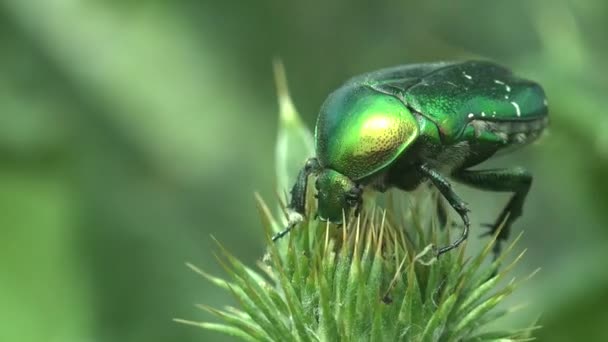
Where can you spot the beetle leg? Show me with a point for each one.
(442, 213)
(440, 206)
(516, 180)
(297, 205)
(458, 204)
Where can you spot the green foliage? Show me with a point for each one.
(374, 279)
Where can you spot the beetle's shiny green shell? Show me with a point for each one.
(359, 130)
(368, 122)
(456, 94)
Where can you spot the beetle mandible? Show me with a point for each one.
(402, 126)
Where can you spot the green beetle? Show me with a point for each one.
(402, 126)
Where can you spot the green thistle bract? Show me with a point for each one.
(374, 279)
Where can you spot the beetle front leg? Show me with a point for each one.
(445, 188)
(516, 180)
(297, 206)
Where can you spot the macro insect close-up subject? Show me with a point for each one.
(278, 171)
(401, 126)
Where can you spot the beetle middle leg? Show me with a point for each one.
(445, 188)
(516, 180)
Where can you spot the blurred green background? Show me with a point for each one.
(131, 131)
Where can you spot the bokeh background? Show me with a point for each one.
(131, 131)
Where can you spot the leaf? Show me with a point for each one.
(294, 141)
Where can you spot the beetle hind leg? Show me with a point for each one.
(516, 180)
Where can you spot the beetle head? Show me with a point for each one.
(336, 193)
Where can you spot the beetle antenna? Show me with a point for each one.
(294, 218)
(283, 232)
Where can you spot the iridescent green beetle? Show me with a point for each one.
(402, 126)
